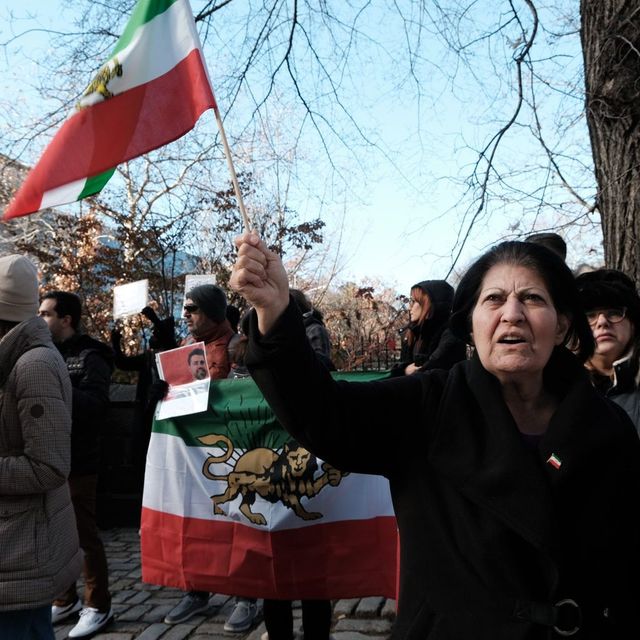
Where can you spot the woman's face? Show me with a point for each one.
(515, 325)
(420, 305)
(612, 338)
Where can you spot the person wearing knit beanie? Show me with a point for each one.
(211, 300)
(38, 537)
(205, 309)
(18, 288)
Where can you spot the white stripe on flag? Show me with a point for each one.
(156, 48)
(174, 484)
(63, 195)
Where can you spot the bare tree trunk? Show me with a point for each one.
(611, 47)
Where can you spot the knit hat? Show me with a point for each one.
(18, 288)
(607, 288)
(211, 300)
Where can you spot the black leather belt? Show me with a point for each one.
(564, 616)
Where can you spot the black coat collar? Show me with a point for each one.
(479, 449)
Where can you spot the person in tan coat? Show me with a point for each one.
(40, 554)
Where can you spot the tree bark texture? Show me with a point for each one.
(610, 33)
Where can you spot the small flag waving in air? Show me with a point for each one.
(150, 92)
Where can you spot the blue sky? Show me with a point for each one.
(403, 208)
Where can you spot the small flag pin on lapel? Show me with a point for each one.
(554, 461)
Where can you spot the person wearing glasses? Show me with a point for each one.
(612, 305)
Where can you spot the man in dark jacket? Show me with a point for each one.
(90, 364)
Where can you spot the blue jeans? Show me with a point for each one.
(28, 624)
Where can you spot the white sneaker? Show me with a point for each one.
(91, 621)
(62, 613)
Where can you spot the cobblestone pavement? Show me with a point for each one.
(140, 608)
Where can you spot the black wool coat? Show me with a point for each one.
(493, 534)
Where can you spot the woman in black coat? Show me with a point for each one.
(515, 484)
(427, 343)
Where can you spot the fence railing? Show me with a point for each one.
(372, 355)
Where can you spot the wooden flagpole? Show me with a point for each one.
(236, 187)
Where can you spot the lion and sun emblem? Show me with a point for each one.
(286, 476)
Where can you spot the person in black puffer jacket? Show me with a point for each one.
(90, 363)
(427, 343)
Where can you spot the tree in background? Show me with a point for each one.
(515, 68)
(610, 33)
(364, 323)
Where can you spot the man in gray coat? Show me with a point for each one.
(39, 545)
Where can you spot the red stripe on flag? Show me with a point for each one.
(347, 559)
(102, 136)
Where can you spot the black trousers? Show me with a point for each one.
(316, 619)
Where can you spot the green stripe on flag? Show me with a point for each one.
(145, 11)
(238, 411)
(95, 184)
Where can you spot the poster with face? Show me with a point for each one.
(186, 371)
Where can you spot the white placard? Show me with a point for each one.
(195, 280)
(130, 298)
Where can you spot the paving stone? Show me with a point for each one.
(62, 631)
(389, 609)
(365, 625)
(153, 632)
(213, 628)
(157, 613)
(139, 597)
(134, 613)
(256, 633)
(345, 607)
(178, 632)
(119, 608)
(355, 635)
(123, 595)
(369, 607)
(120, 584)
(126, 626)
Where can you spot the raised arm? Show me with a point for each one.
(360, 427)
(259, 277)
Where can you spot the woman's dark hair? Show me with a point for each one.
(549, 266)
(303, 303)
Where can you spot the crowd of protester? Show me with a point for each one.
(513, 471)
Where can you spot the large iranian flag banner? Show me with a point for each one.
(232, 505)
(151, 91)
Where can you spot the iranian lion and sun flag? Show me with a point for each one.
(151, 91)
(230, 503)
